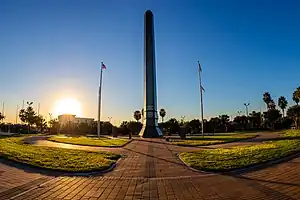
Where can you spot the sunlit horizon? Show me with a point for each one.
(69, 106)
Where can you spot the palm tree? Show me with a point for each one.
(267, 99)
(282, 103)
(162, 113)
(137, 115)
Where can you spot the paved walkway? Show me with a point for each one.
(151, 170)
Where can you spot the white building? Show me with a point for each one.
(66, 118)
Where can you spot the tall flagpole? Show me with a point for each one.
(99, 101)
(17, 114)
(201, 97)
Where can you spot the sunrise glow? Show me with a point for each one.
(68, 106)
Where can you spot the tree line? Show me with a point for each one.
(273, 118)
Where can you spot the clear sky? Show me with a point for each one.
(51, 50)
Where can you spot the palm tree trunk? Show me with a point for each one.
(282, 112)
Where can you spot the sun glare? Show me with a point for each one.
(68, 106)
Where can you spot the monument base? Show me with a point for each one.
(150, 132)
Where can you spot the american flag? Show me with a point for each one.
(103, 66)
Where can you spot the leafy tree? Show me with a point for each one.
(28, 116)
(40, 122)
(241, 121)
(162, 113)
(215, 123)
(294, 113)
(282, 103)
(194, 126)
(134, 127)
(224, 119)
(137, 115)
(172, 126)
(1, 116)
(124, 128)
(256, 119)
(271, 116)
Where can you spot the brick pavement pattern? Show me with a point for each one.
(151, 170)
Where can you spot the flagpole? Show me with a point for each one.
(201, 98)
(17, 114)
(99, 101)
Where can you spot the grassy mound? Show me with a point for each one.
(244, 156)
(101, 142)
(67, 160)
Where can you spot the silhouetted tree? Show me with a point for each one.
(40, 123)
(194, 126)
(224, 119)
(1, 117)
(296, 95)
(215, 123)
(241, 121)
(28, 116)
(162, 113)
(256, 119)
(172, 126)
(137, 115)
(294, 113)
(282, 103)
(267, 99)
(271, 116)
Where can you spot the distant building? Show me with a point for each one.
(67, 118)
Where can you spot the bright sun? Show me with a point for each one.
(68, 106)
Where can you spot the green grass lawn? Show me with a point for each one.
(67, 160)
(102, 142)
(241, 157)
(210, 140)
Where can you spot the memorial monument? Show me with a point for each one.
(150, 124)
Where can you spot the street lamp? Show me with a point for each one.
(239, 112)
(246, 105)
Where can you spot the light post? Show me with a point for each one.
(239, 112)
(246, 106)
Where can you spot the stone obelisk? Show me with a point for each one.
(150, 125)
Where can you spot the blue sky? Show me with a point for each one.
(50, 50)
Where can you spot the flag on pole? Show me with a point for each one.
(103, 66)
